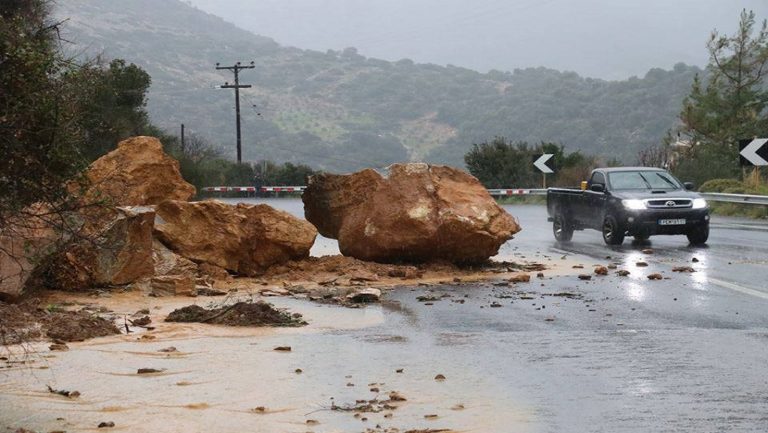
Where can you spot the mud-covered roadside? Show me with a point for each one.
(60, 316)
(34, 320)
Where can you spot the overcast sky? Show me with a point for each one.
(598, 38)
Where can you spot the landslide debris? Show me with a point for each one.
(238, 314)
(28, 321)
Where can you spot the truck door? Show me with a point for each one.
(595, 202)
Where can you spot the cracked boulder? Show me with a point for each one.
(244, 239)
(415, 212)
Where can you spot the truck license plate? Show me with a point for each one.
(672, 222)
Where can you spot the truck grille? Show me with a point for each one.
(669, 203)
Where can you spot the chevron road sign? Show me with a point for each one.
(753, 152)
(544, 163)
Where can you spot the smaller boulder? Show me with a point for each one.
(364, 296)
(173, 285)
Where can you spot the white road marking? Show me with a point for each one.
(738, 288)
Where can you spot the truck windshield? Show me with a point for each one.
(643, 180)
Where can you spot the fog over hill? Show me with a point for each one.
(342, 110)
(611, 39)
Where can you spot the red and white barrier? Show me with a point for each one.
(283, 188)
(253, 188)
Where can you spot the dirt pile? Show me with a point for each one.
(238, 314)
(28, 321)
(245, 239)
(418, 212)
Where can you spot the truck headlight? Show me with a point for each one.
(633, 204)
(699, 203)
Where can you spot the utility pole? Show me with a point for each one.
(236, 68)
(182, 138)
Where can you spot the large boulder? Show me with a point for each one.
(120, 253)
(245, 239)
(417, 212)
(137, 173)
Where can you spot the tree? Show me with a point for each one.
(501, 164)
(729, 103)
(41, 139)
(113, 101)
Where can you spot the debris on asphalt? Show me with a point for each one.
(520, 278)
(149, 370)
(364, 296)
(622, 273)
(64, 393)
(238, 314)
(655, 276)
(585, 277)
(683, 269)
(641, 264)
(601, 270)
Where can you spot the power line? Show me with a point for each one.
(236, 68)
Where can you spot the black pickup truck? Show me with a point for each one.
(634, 201)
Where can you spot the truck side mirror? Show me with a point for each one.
(597, 187)
(689, 186)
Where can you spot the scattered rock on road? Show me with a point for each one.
(683, 269)
(520, 278)
(601, 270)
(364, 296)
(585, 277)
(655, 276)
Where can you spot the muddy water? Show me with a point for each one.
(220, 375)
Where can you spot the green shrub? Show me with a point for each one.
(721, 185)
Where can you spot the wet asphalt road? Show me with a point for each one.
(685, 354)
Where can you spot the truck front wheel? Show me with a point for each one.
(699, 235)
(561, 228)
(613, 234)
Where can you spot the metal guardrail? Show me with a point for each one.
(735, 198)
(503, 192)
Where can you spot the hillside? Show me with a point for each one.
(341, 110)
